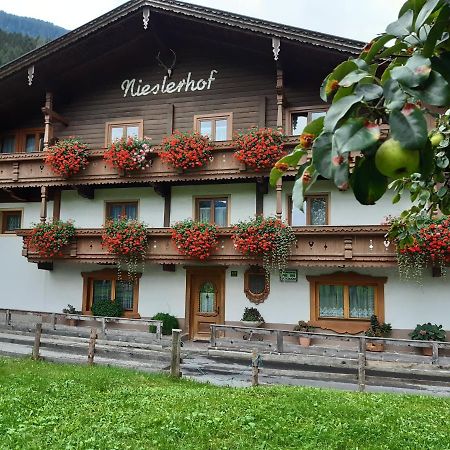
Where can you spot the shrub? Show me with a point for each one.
(169, 322)
(107, 308)
(303, 326)
(428, 332)
(70, 310)
(378, 329)
(252, 315)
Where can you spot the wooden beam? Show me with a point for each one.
(280, 98)
(170, 118)
(54, 115)
(44, 196)
(48, 125)
(279, 189)
(14, 196)
(262, 188)
(86, 192)
(262, 112)
(45, 266)
(57, 205)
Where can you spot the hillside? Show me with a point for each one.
(31, 27)
(13, 45)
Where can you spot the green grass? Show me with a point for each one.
(52, 406)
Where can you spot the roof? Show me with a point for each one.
(222, 18)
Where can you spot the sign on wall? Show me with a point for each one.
(289, 275)
(136, 88)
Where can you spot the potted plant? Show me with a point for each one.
(129, 154)
(259, 149)
(377, 329)
(195, 239)
(304, 341)
(252, 318)
(71, 310)
(428, 332)
(186, 150)
(48, 239)
(67, 157)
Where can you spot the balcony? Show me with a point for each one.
(330, 246)
(23, 170)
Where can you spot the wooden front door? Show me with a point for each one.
(206, 288)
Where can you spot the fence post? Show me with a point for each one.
(8, 318)
(91, 350)
(54, 321)
(362, 364)
(212, 340)
(158, 331)
(103, 326)
(37, 341)
(176, 344)
(256, 360)
(435, 357)
(280, 342)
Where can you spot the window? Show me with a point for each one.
(122, 129)
(118, 210)
(315, 211)
(298, 118)
(217, 126)
(26, 140)
(10, 221)
(344, 302)
(212, 210)
(105, 285)
(256, 284)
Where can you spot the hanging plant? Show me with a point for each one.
(195, 239)
(186, 150)
(127, 239)
(260, 148)
(48, 239)
(67, 157)
(268, 238)
(420, 242)
(129, 154)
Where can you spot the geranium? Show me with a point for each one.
(129, 154)
(128, 240)
(67, 157)
(186, 150)
(195, 239)
(259, 149)
(49, 238)
(419, 243)
(268, 237)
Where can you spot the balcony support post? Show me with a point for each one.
(44, 196)
(279, 190)
(280, 98)
(48, 125)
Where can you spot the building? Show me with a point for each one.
(151, 67)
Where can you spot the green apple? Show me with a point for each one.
(394, 161)
(436, 139)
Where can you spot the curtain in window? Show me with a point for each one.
(221, 130)
(331, 301)
(131, 211)
(115, 211)
(102, 290)
(220, 213)
(124, 294)
(204, 211)
(8, 144)
(12, 222)
(318, 211)
(362, 301)
(207, 298)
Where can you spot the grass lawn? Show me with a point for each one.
(52, 406)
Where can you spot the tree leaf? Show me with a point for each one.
(426, 159)
(353, 77)
(414, 73)
(397, 47)
(315, 127)
(376, 45)
(321, 155)
(403, 26)
(292, 160)
(354, 135)
(369, 92)
(339, 110)
(436, 90)
(339, 164)
(338, 73)
(425, 13)
(301, 186)
(395, 98)
(440, 25)
(409, 128)
(367, 183)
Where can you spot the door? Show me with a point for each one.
(206, 298)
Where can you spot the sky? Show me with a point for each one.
(356, 19)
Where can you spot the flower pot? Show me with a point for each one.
(375, 346)
(427, 351)
(304, 341)
(251, 323)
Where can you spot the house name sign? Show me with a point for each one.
(135, 88)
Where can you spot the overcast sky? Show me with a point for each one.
(356, 19)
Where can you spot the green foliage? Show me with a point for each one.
(13, 45)
(428, 332)
(304, 326)
(169, 323)
(56, 406)
(70, 310)
(378, 329)
(107, 308)
(393, 88)
(252, 315)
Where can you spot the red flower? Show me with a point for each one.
(67, 157)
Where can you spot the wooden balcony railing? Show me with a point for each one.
(28, 170)
(330, 246)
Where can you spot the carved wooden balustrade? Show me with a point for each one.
(28, 170)
(330, 246)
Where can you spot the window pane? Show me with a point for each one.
(7, 144)
(298, 122)
(331, 301)
(316, 114)
(131, 211)
(30, 143)
(204, 211)
(115, 211)
(220, 213)
(362, 301)
(318, 210)
(133, 131)
(206, 127)
(207, 298)
(116, 133)
(256, 283)
(298, 218)
(12, 222)
(102, 290)
(221, 130)
(124, 294)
